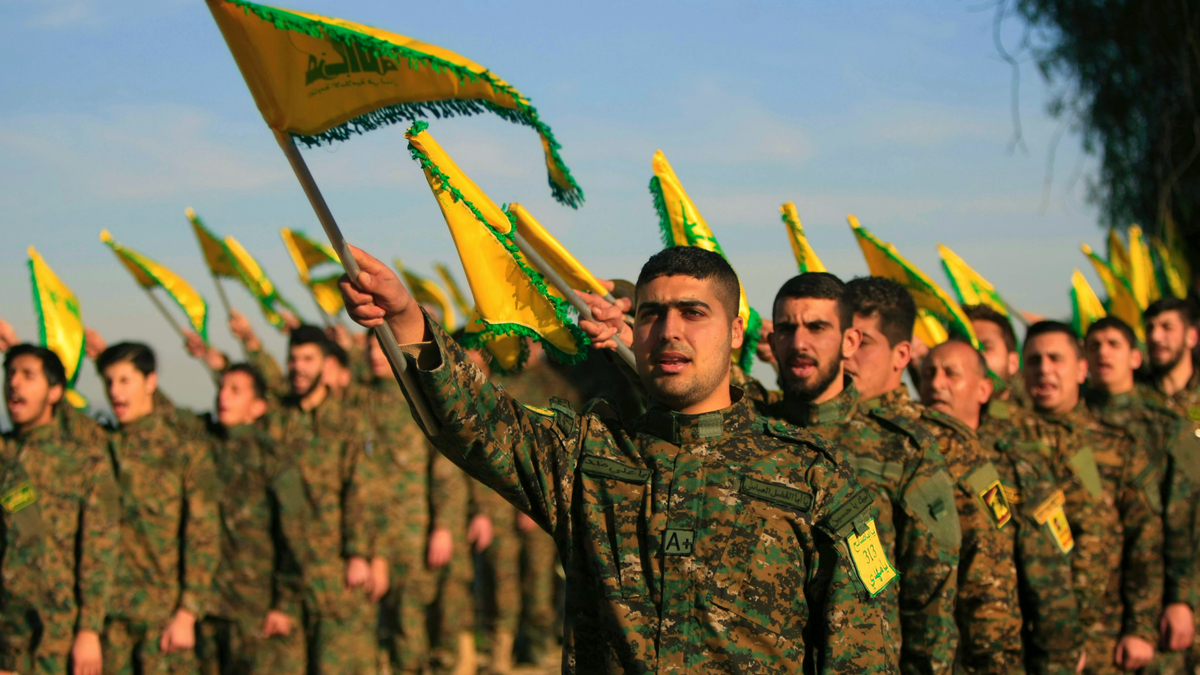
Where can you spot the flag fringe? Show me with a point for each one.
(524, 113)
(508, 241)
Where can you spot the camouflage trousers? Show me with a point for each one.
(498, 570)
(342, 644)
(131, 647)
(403, 634)
(236, 647)
(538, 577)
(30, 645)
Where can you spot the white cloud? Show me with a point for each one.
(58, 14)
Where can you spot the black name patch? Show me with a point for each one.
(777, 494)
(845, 515)
(607, 468)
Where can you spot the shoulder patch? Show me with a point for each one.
(19, 497)
(603, 467)
(984, 483)
(933, 501)
(1083, 463)
(544, 412)
(566, 415)
(854, 510)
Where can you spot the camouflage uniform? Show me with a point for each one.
(450, 509)
(914, 510)
(1185, 402)
(398, 513)
(277, 380)
(500, 563)
(986, 609)
(325, 445)
(57, 493)
(1051, 633)
(697, 543)
(1174, 450)
(258, 571)
(168, 485)
(1114, 507)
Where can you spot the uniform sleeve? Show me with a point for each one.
(274, 376)
(358, 530)
(928, 540)
(1179, 516)
(523, 455)
(290, 514)
(986, 607)
(101, 533)
(201, 547)
(1141, 560)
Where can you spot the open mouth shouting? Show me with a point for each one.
(17, 405)
(802, 367)
(671, 361)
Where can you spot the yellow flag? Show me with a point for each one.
(215, 255)
(456, 293)
(256, 281)
(60, 324)
(322, 79)
(307, 253)
(508, 352)
(1141, 269)
(149, 274)
(556, 256)
(929, 329)
(682, 225)
(512, 297)
(426, 292)
(1121, 301)
(806, 257)
(1172, 279)
(969, 285)
(885, 261)
(1118, 255)
(1174, 245)
(328, 296)
(1086, 308)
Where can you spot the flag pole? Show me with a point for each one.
(568, 292)
(1013, 312)
(387, 339)
(175, 324)
(320, 309)
(221, 294)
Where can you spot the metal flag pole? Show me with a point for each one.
(175, 324)
(1013, 311)
(568, 292)
(383, 332)
(221, 293)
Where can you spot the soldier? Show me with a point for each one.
(169, 522)
(60, 517)
(998, 341)
(315, 431)
(1110, 490)
(1174, 450)
(255, 626)
(986, 609)
(699, 537)
(1171, 337)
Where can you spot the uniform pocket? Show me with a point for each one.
(762, 572)
(614, 549)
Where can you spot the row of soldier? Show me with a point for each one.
(303, 526)
(836, 525)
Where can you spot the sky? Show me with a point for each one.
(120, 115)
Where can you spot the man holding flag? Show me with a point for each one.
(645, 512)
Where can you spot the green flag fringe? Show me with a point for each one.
(524, 113)
(508, 241)
(41, 316)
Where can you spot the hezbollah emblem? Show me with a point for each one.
(996, 501)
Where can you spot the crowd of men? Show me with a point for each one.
(1037, 511)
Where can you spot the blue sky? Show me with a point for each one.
(119, 115)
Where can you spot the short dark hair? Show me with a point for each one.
(52, 366)
(307, 334)
(819, 285)
(336, 351)
(985, 313)
(871, 296)
(1048, 327)
(260, 383)
(1186, 309)
(698, 263)
(1114, 323)
(137, 353)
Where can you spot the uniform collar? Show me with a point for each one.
(144, 424)
(895, 398)
(836, 409)
(1105, 402)
(40, 433)
(680, 429)
(240, 431)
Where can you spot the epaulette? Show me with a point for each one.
(913, 429)
(948, 421)
(780, 429)
(603, 408)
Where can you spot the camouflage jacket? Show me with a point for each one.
(914, 508)
(986, 608)
(277, 381)
(325, 445)
(692, 543)
(1113, 504)
(1173, 447)
(258, 571)
(1052, 634)
(1185, 402)
(61, 513)
(168, 487)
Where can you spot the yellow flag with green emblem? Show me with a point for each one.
(150, 274)
(556, 256)
(215, 255)
(508, 352)
(307, 253)
(426, 292)
(929, 329)
(806, 257)
(1086, 308)
(1122, 303)
(60, 323)
(682, 225)
(885, 261)
(322, 79)
(456, 294)
(1170, 277)
(969, 285)
(255, 280)
(1118, 255)
(512, 297)
(1174, 259)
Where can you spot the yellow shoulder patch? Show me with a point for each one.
(871, 563)
(19, 497)
(1052, 514)
(541, 411)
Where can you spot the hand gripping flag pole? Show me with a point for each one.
(387, 339)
